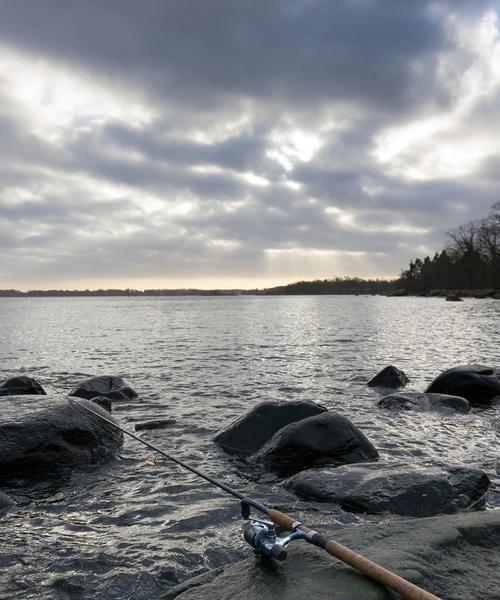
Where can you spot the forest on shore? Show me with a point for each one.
(469, 263)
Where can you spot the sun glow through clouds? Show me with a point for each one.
(57, 101)
(440, 146)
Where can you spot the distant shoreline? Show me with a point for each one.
(333, 287)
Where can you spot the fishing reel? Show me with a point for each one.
(261, 535)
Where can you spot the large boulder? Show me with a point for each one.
(254, 428)
(108, 386)
(325, 439)
(37, 434)
(398, 489)
(478, 384)
(15, 386)
(389, 377)
(425, 402)
(453, 556)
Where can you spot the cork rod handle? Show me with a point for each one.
(408, 590)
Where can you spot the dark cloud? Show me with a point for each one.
(203, 51)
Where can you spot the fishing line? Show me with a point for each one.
(261, 534)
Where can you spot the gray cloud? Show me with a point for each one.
(198, 138)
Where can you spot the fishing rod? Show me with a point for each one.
(261, 533)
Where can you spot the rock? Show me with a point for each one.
(398, 489)
(424, 402)
(253, 429)
(389, 377)
(478, 384)
(38, 434)
(325, 439)
(103, 403)
(5, 502)
(453, 556)
(108, 386)
(453, 299)
(398, 293)
(156, 424)
(22, 384)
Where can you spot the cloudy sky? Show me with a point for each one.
(240, 143)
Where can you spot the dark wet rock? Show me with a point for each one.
(454, 556)
(398, 293)
(38, 434)
(108, 386)
(16, 386)
(453, 299)
(103, 403)
(5, 501)
(325, 439)
(389, 377)
(192, 583)
(478, 384)
(154, 424)
(253, 429)
(424, 402)
(398, 489)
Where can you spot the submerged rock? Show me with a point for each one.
(108, 386)
(394, 488)
(389, 377)
(16, 386)
(452, 556)
(154, 424)
(453, 299)
(478, 384)
(325, 439)
(423, 402)
(43, 433)
(253, 429)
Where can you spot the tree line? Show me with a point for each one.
(470, 261)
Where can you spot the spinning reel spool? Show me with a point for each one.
(261, 535)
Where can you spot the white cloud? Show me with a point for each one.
(446, 144)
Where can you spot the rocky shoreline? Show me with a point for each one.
(318, 454)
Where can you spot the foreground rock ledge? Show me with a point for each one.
(455, 557)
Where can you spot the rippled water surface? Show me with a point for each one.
(127, 530)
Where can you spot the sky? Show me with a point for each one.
(240, 143)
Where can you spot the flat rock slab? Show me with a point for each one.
(398, 489)
(455, 557)
(42, 432)
(154, 424)
(476, 383)
(325, 439)
(107, 386)
(253, 429)
(425, 402)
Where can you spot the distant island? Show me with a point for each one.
(468, 266)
